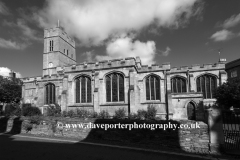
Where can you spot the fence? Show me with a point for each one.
(231, 130)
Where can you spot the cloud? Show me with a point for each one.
(89, 57)
(93, 22)
(222, 35)
(102, 58)
(9, 44)
(225, 33)
(125, 47)
(154, 31)
(4, 71)
(26, 32)
(117, 24)
(166, 52)
(232, 21)
(3, 9)
(23, 35)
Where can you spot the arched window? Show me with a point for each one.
(206, 84)
(83, 90)
(115, 87)
(50, 93)
(178, 85)
(152, 88)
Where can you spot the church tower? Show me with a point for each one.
(59, 50)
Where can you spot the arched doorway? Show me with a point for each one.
(191, 111)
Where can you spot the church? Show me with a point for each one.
(177, 93)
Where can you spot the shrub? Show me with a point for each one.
(70, 113)
(1, 108)
(30, 111)
(104, 115)
(141, 114)
(82, 113)
(36, 119)
(9, 109)
(120, 113)
(1, 113)
(64, 114)
(27, 127)
(12, 110)
(228, 94)
(132, 116)
(17, 111)
(93, 114)
(151, 112)
(26, 105)
(53, 110)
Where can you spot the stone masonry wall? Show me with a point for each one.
(195, 140)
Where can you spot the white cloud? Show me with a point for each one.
(95, 21)
(4, 71)
(225, 33)
(232, 21)
(222, 35)
(3, 9)
(117, 23)
(166, 52)
(125, 47)
(9, 44)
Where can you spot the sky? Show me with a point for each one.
(182, 32)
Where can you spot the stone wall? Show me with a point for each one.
(180, 102)
(194, 140)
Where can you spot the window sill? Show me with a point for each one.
(209, 99)
(81, 105)
(114, 104)
(153, 102)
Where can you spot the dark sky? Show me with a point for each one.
(210, 25)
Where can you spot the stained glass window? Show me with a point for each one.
(83, 90)
(206, 84)
(147, 89)
(114, 87)
(108, 88)
(121, 88)
(89, 90)
(77, 90)
(178, 85)
(50, 93)
(152, 88)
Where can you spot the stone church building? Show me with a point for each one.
(177, 93)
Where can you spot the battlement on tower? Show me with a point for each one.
(58, 31)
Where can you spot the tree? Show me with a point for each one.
(10, 90)
(228, 94)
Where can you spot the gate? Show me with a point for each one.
(231, 130)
